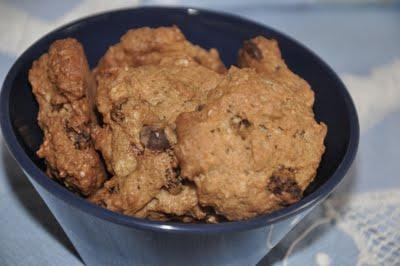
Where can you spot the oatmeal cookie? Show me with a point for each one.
(148, 46)
(252, 148)
(139, 107)
(264, 56)
(61, 81)
(176, 205)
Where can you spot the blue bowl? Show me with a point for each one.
(103, 237)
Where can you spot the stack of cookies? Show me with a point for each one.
(161, 129)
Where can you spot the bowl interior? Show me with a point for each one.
(225, 33)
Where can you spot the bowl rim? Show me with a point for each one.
(81, 204)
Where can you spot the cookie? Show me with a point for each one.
(139, 107)
(179, 205)
(148, 46)
(253, 147)
(61, 81)
(264, 56)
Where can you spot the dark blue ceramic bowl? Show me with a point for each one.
(106, 238)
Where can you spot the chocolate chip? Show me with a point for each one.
(246, 123)
(252, 49)
(200, 107)
(285, 188)
(154, 138)
(80, 138)
(293, 188)
(275, 185)
(241, 125)
(239, 122)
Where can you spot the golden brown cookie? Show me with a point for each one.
(139, 107)
(167, 205)
(252, 148)
(60, 81)
(148, 46)
(265, 57)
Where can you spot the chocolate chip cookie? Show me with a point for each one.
(264, 56)
(61, 81)
(181, 138)
(252, 148)
(148, 46)
(139, 107)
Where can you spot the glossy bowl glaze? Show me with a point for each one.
(104, 237)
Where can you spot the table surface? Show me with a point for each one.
(358, 224)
